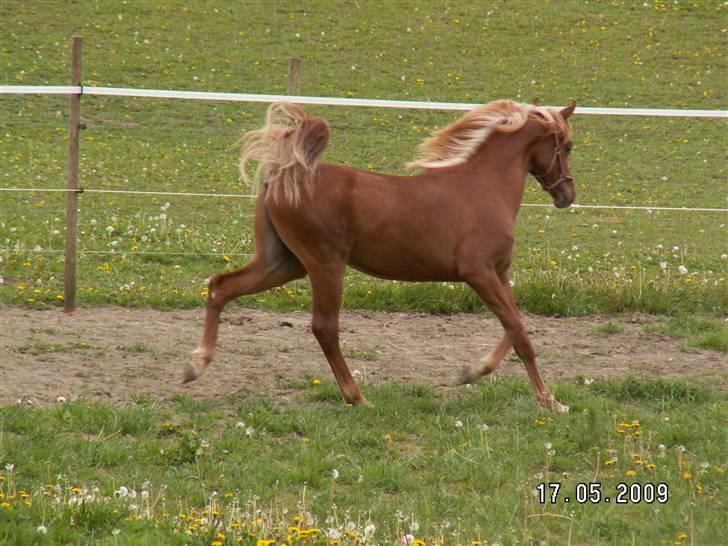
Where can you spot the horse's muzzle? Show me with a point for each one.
(565, 197)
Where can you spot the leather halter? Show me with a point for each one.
(562, 176)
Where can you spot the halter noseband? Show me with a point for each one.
(562, 177)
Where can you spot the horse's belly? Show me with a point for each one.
(403, 265)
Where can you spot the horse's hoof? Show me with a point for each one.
(467, 376)
(191, 372)
(555, 405)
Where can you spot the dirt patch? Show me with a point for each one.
(111, 353)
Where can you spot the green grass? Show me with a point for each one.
(158, 250)
(462, 465)
(696, 331)
(447, 468)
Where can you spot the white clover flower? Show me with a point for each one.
(547, 445)
(663, 265)
(42, 529)
(61, 399)
(249, 432)
(239, 424)
(682, 269)
(335, 474)
(459, 424)
(369, 530)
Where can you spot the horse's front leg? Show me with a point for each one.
(327, 283)
(489, 287)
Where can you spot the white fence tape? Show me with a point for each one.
(333, 101)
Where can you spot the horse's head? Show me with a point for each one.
(549, 162)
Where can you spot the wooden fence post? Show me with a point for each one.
(294, 76)
(69, 279)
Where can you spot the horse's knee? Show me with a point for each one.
(325, 329)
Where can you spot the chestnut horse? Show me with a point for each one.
(452, 222)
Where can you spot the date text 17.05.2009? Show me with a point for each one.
(595, 493)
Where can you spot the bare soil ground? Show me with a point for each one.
(112, 353)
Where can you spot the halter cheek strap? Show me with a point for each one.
(563, 177)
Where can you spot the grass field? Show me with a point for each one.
(158, 250)
(442, 468)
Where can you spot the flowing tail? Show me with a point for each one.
(287, 149)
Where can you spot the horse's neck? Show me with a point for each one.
(502, 166)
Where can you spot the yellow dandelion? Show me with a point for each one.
(630, 472)
(687, 475)
(316, 382)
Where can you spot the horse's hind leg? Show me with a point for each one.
(490, 289)
(327, 284)
(256, 276)
(272, 265)
(490, 362)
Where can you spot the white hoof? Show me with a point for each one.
(191, 372)
(194, 369)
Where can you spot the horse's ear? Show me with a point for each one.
(566, 112)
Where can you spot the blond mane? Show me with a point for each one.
(457, 142)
